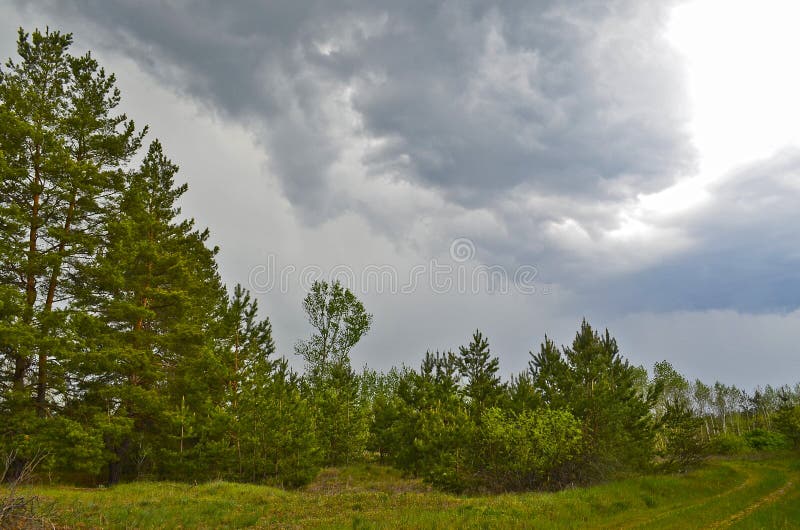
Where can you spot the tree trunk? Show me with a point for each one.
(41, 386)
(115, 468)
(23, 362)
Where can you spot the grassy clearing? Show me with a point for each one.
(742, 493)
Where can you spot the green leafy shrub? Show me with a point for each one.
(729, 444)
(526, 450)
(763, 440)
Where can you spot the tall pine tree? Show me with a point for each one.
(148, 299)
(61, 149)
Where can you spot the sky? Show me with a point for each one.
(510, 166)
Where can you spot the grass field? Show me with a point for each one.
(738, 493)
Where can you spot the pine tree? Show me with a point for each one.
(275, 426)
(270, 423)
(550, 374)
(599, 387)
(61, 149)
(522, 394)
(478, 368)
(63, 146)
(341, 419)
(148, 297)
(33, 102)
(246, 349)
(433, 430)
(384, 405)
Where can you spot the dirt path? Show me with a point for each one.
(749, 480)
(752, 478)
(765, 500)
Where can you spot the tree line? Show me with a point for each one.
(124, 356)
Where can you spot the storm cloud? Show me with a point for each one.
(377, 132)
(472, 99)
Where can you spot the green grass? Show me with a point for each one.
(737, 493)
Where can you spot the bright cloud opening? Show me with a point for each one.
(743, 81)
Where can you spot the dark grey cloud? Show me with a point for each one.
(534, 93)
(470, 98)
